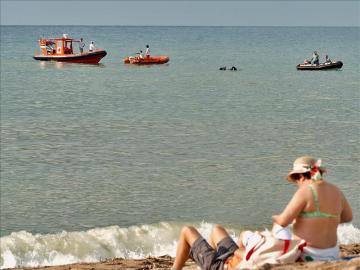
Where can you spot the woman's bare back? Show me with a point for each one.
(320, 231)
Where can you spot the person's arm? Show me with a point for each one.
(292, 210)
(346, 213)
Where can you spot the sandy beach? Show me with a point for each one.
(165, 262)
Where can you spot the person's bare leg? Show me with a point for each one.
(218, 233)
(188, 236)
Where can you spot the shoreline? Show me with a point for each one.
(165, 262)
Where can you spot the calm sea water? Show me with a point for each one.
(146, 149)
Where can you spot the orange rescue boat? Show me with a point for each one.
(147, 60)
(61, 50)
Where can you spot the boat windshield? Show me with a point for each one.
(68, 47)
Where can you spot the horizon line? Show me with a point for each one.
(135, 25)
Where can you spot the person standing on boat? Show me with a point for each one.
(81, 45)
(327, 59)
(91, 46)
(141, 55)
(147, 51)
(315, 58)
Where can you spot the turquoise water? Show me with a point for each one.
(85, 147)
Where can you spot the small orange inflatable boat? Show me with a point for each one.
(162, 59)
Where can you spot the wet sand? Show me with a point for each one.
(165, 262)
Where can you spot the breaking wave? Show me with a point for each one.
(23, 249)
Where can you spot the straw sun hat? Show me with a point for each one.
(307, 164)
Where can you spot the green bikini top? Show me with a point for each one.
(317, 213)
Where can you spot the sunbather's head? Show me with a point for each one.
(308, 167)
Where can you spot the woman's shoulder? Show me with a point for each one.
(304, 189)
(322, 187)
(303, 193)
(329, 189)
(330, 186)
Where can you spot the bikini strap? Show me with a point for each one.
(316, 200)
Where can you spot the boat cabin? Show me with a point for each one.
(57, 46)
(62, 50)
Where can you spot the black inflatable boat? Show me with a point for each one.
(321, 66)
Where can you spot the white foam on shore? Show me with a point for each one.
(23, 249)
(348, 234)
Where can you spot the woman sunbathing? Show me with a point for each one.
(315, 211)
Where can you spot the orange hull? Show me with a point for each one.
(162, 59)
(84, 58)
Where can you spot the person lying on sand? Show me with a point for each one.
(315, 211)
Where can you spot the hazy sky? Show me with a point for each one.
(170, 12)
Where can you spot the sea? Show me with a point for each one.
(111, 160)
